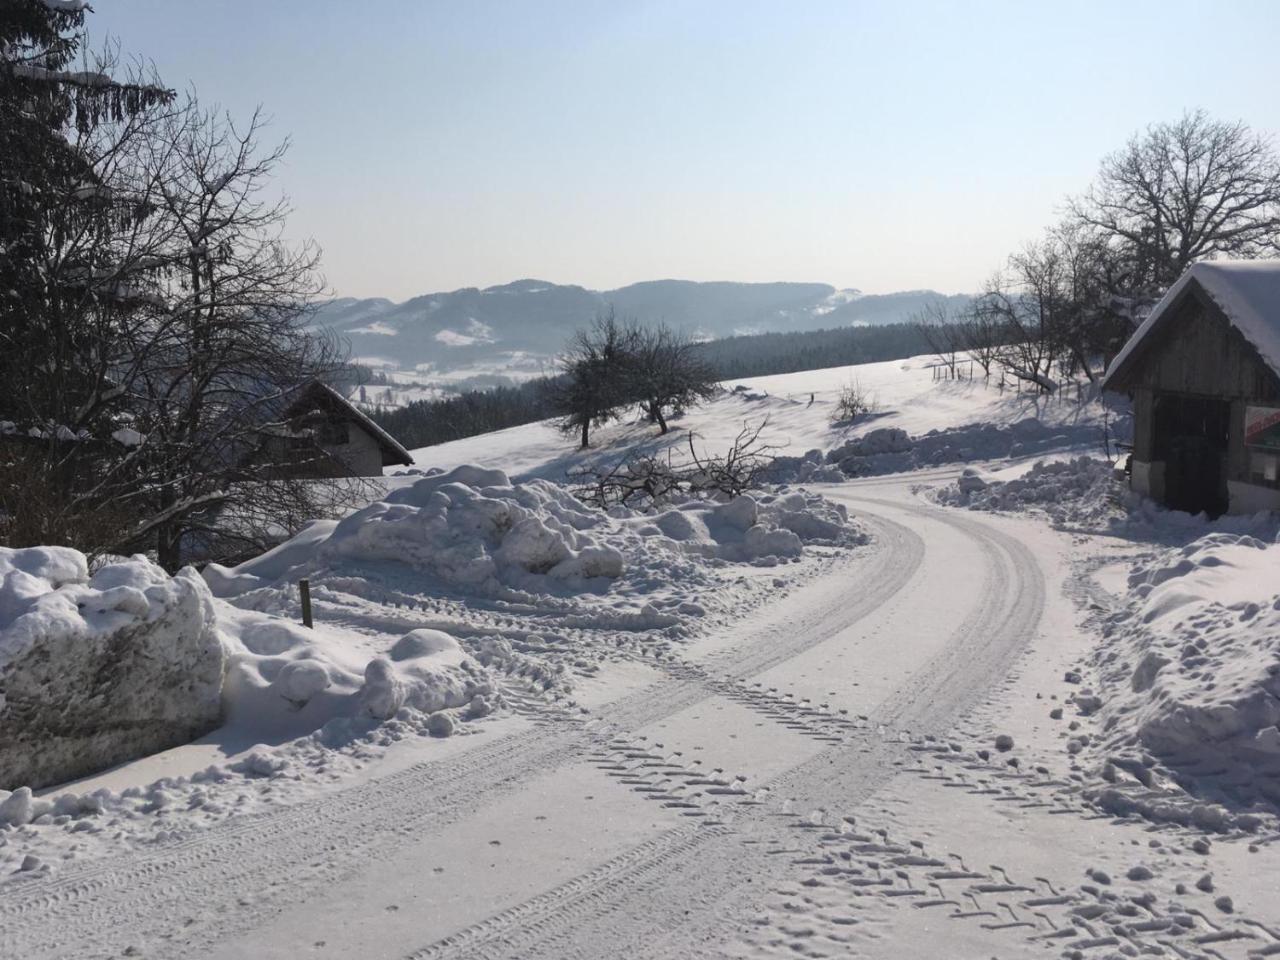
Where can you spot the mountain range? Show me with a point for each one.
(467, 327)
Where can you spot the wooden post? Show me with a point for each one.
(304, 588)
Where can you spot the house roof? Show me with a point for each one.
(1246, 291)
(323, 394)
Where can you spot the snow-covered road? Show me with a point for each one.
(722, 778)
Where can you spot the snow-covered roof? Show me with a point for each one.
(391, 447)
(1247, 292)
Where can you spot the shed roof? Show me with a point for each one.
(321, 394)
(1246, 291)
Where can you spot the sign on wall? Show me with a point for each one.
(1262, 427)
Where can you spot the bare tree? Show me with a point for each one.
(984, 333)
(853, 401)
(186, 318)
(665, 372)
(593, 380)
(1190, 190)
(1022, 302)
(212, 370)
(936, 328)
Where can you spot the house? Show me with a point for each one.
(319, 433)
(1204, 373)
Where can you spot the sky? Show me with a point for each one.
(877, 145)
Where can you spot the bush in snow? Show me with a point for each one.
(853, 402)
(95, 670)
(642, 480)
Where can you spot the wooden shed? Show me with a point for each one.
(1204, 373)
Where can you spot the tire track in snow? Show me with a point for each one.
(119, 902)
(708, 869)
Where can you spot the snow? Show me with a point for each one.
(979, 420)
(99, 668)
(283, 680)
(1191, 672)
(524, 727)
(378, 327)
(473, 333)
(1079, 490)
(1247, 291)
(128, 437)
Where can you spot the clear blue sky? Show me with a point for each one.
(885, 146)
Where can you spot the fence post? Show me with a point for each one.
(304, 588)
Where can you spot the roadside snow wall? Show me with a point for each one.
(1083, 491)
(474, 531)
(893, 450)
(1189, 676)
(96, 670)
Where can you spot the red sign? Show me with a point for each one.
(1262, 427)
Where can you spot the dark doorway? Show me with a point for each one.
(1191, 439)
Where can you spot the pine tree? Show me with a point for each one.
(60, 130)
(64, 125)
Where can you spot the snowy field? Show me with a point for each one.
(947, 690)
(798, 407)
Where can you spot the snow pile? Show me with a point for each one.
(468, 528)
(1081, 491)
(536, 587)
(97, 669)
(749, 529)
(892, 450)
(1189, 685)
(284, 680)
(473, 530)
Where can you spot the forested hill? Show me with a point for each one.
(467, 327)
(768, 353)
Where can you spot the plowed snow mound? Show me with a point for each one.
(473, 530)
(98, 669)
(892, 450)
(1189, 693)
(1083, 491)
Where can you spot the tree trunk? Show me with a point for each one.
(586, 426)
(662, 421)
(168, 554)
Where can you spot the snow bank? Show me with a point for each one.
(1089, 493)
(892, 450)
(473, 530)
(516, 580)
(748, 528)
(1188, 697)
(97, 669)
(284, 680)
(469, 528)
(1083, 491)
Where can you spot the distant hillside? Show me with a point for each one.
(469, 328)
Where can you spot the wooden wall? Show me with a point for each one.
(1197, 351)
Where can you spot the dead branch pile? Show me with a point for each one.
(640, 479)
